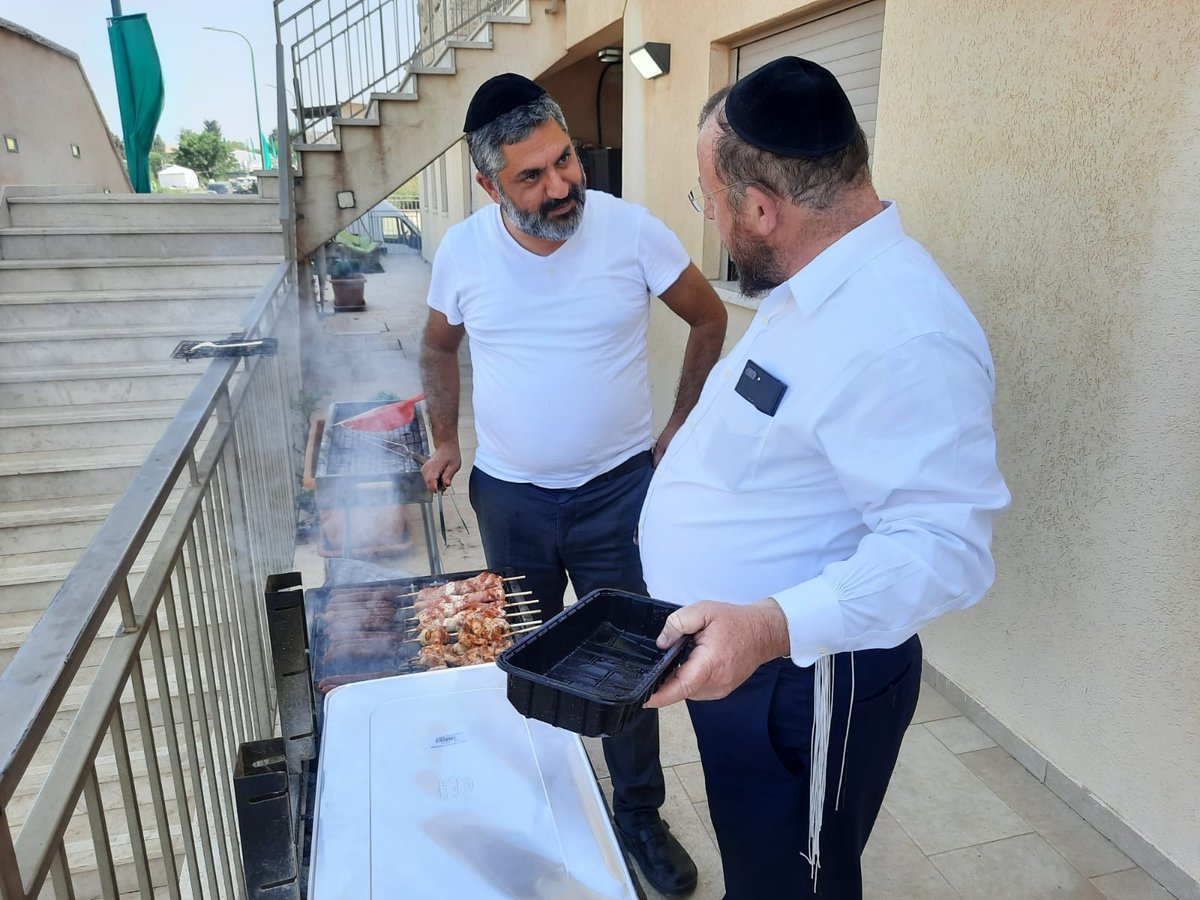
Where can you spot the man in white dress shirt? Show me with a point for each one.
(832, 491)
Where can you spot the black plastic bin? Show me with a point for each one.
(591, 667)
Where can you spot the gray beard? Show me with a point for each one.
(538, 224)
(758, 270)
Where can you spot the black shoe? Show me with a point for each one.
(662, 859)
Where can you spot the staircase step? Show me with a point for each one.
(91, 425)
(55, 474)
(107, 383)
(31, 588)
(408, 97)
(46, 242)
(370, 123)
(134, 272)
(36, 526)
(464, 44)
(76, 346)
(84, 309)
(124, 210)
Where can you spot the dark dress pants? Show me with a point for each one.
(587, 533)
(755, 748)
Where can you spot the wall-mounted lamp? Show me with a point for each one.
(10, 144)
(651, 60)
(75, 151)
(609, 55)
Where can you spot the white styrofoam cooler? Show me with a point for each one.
(432, 786)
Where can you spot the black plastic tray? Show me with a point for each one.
(591, 667)
(404, 658)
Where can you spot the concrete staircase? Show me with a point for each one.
(96, 291)
(403, 132)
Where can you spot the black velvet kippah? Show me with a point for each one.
(792, 107)
(500, 95)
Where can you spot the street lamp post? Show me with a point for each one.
(262, 151)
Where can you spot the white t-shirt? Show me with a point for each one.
(558, 342)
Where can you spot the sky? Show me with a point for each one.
(206, 74)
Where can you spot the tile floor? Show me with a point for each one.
(962, 818)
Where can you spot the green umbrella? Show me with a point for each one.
(139, 91)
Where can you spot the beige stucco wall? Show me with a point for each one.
(46, 102)
(659, 160)
(1047, 154)
(461, 197)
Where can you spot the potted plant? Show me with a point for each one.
(345, 274)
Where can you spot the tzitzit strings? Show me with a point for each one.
(823, 684)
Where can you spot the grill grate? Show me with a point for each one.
(376, 452)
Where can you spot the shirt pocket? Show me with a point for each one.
(737, 439)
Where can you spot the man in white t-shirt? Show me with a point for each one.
(553, 286)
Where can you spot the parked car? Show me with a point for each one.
(219, 187)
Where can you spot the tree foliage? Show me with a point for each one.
(206, 153)
(212, 126)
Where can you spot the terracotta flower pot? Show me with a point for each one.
(348, 292)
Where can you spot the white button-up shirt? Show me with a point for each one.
(865, 505)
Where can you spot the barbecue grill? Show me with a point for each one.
(401, 593)
(426, 785)
(357, 469)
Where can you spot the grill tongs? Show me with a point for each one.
(392, 417)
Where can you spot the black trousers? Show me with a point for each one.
(587, 533)
(755, 748)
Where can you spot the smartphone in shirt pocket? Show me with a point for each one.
(762, 389)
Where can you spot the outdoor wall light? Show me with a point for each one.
(75, 151)
(609, 55)
(651, 60)
(10, 144)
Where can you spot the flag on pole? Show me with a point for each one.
(139, 92)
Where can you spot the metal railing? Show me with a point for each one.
(343, 51)
(128, 788)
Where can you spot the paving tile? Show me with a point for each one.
(932, 706)
(595, 752)
(1132, 884)
(706, 817)
(941, 803)
(1017, 868)
(677, 741)
(959, 735)
(688, 826)
(692, 776)
(894, 868)
(344, 324)
(1074, 839)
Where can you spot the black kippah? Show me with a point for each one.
(792, 107)
(497, 96)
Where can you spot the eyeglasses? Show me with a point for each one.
(699, 199)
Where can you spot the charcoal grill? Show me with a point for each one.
(363, 468)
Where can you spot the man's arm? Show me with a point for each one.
(692, 298)
(439, 376)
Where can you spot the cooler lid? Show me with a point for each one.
(431, 785)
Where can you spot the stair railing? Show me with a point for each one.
(343, 51)
(184, 677)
